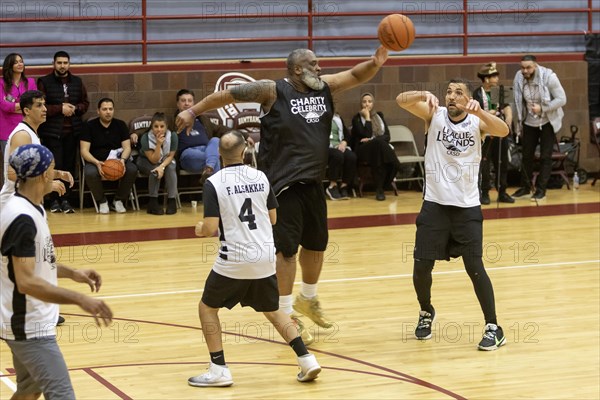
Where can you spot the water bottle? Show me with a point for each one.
(575, 181)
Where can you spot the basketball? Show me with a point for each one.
(113, 170)
(396, 32)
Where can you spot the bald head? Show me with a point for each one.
(231, 147)
(297, 57)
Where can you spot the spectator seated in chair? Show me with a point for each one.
(156, 159)
(101, 136)
(371, 142)
(342, 163)
(198, 150)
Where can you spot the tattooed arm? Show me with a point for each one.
(262, 92)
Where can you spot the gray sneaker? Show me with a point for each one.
(103, 208)
(117, 205)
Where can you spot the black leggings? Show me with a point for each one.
(482, 284)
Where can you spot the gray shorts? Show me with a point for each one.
(41, 368)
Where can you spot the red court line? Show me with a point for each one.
(398, 375)
(362, 221)
(107, 384)
(393, 375)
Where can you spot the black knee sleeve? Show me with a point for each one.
(423, 267)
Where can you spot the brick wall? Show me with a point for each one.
(145, 93)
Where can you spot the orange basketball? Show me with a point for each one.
(113, 170)
(396, 32)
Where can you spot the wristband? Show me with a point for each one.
(191, 112)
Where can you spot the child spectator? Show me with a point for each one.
(158, 148)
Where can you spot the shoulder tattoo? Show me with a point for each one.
(253, 91)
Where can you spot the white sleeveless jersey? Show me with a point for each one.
(22, 316)
(9, 186)
(247, 247)
(452, 159)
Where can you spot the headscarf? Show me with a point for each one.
(30, 160)
(376, 121)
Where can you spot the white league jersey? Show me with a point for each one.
(244, 197)
(22, 316)
(452, 159)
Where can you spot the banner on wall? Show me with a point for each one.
(229, 113)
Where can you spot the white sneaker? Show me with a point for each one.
(103, 208)
(217, 375)
(118, 206)
(309, 368)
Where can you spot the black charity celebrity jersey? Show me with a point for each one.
(295, 136)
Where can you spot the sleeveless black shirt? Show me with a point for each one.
(295, 136)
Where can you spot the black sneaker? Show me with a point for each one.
(493, 338)
(538, 195)
(344, 193)
(333, 193)
(484, 198)
(60, 321)
(55, 207)
(66, 207)
(522, 192)
(380, 195)
(503, 197)
(423, 331)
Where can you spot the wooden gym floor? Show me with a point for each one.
(543, 261)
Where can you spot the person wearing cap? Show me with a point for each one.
(494, 149)
(33, 107)
(539, 98)
(28, 276)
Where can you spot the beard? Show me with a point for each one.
(529, 76)
(454, 112)
(312, 80)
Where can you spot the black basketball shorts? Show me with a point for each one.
(260, 294)
(448, 231)
(301, 219)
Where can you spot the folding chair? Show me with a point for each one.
(558, 163)
(406, 150)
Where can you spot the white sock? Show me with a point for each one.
(309, 290)
(285, 304)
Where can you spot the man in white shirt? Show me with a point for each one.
(450, 221)
(28, 277)
(240, 203)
